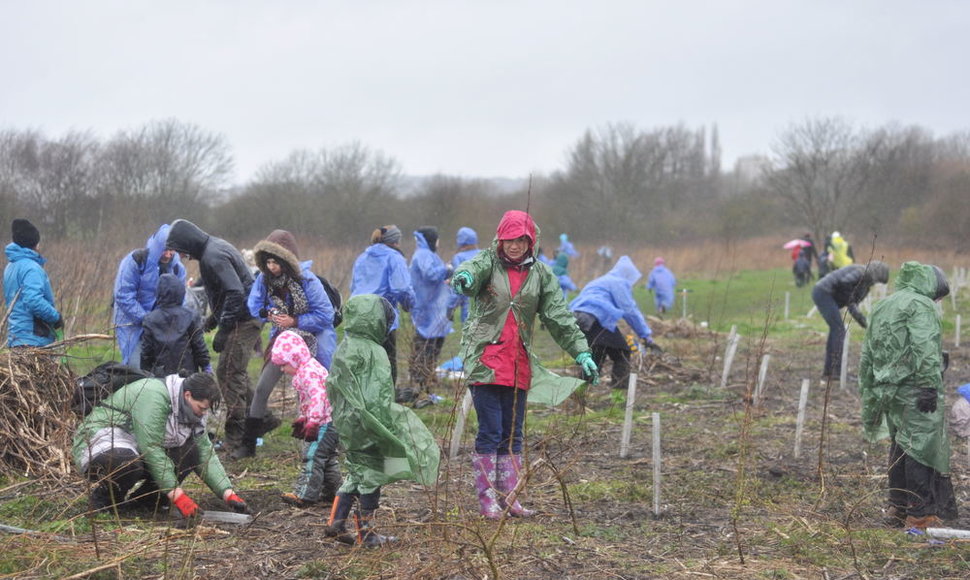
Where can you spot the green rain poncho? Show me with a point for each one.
(902, 353)
(384, 441)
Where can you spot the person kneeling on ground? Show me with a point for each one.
(153, 431)
(320, 477)
(383, 441)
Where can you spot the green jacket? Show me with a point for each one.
(141, 416)
(901, 354)
(384, 441)
(492, 301)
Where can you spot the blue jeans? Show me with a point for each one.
(831, 312)
(501, 414)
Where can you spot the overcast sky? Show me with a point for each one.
(487, 88)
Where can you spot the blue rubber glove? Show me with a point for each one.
(461, 281)
(590, 373)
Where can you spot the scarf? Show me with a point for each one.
(278, 288)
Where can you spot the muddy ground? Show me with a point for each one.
(734, 501)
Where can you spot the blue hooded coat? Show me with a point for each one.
(382, 270)
(662, 282)
(33, 315)
(135, 289)
(610, 298)
(431, 293)
(464, 237)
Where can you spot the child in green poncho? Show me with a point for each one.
(384, 442)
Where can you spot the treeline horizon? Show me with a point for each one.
(620, 184)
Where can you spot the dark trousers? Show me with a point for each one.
(918, 490)
(606, 343)
(232, 375)
(424, 356)
(320, 478)
(501, 415)
(831, 312)
(116, 471)
(390, 347)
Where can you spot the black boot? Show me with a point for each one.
(268, 423)
(337, 524)
(247, 448)
(366, 536)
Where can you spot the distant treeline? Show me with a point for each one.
(619, 184)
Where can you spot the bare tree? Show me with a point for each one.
(820, 173)
(164, 169)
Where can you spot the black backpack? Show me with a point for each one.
(335, 299)
(100, 383)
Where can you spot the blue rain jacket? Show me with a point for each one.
(431, 292)
(610, 298)
(382, 270)
(135, 289)
(464, 237)
(318, 321)
(662, 282)
(566, 247)
(25, 275)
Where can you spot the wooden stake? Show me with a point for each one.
(683, 301)
(466, 404)
(787, 303)
(656, 463)
(631, 395)
(800, 422)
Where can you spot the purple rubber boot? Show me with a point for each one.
(484, 465)
(508, 470)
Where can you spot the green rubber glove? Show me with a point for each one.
(461, 281)
(590, 372)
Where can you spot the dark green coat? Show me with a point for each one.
(901, 354)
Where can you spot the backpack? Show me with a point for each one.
(101, 383)
(335, 299)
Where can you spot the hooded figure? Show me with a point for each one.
(384, 442)
(467, 242)
(509, 289)
(27, 290)
(566, 247)
(840, 252)
(320, 477)
(288, 295)
(600, 306)
(381, 269)
(227, 282)
(135, 291)
(901, 386)
(172, 339)
(844, 288)
(662, 283)
(560, 268)
(429, 314)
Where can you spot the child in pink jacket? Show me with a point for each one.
(320, 478)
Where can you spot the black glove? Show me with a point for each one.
(298, 425)
(926, 400)
(59, 323)
(219, 340)
(946, 362)
(210, 323)
(652, 345)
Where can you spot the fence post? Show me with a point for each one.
(800, 422)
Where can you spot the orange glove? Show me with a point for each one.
(186, 506)
(237, 504)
